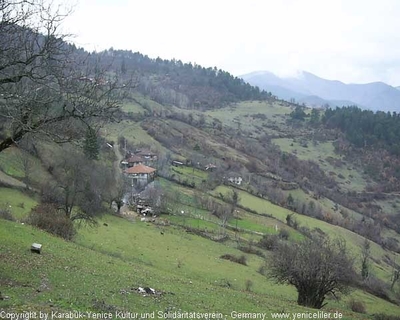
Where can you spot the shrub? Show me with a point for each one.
(48, 218)
(269, 242)
(6, 214)
(249, 249)
(357, 306)
(291, 221)
(283, 234)
(241, 260)
(249, 285)
(263, 270)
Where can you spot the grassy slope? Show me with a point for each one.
(353, 179)
(239, 113)
(247, 222)
(106, 260)
(133, 132)
(348, 177)
(17, 202)
(354, 241)
(10, 162)
(10, 181)
(16, 164)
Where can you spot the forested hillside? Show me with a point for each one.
(184, 85)
(365, 128)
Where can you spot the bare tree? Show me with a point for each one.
(80, 187)
(315, 267)
(225, 213)
(155, 197)
(46, 85)
(119, 191)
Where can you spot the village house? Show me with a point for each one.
(134, 161)
(147, 155)
(235, 180)
(140, 174)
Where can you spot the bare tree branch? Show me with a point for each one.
(48, 87)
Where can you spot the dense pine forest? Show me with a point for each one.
(365, 128)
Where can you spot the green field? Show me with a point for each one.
(189, 174)
(133, 132)
(239, 116)
(98, 271)
(132, 106)
(10, 163)
(16, 202)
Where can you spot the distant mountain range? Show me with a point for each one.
(315, 91)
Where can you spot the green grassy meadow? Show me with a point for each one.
(18, 203)
(99, 269)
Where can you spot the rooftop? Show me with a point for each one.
(135, 158)
(140, 169)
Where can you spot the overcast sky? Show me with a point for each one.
(355, 41)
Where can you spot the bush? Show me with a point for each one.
(357, 306)
(283, 234)
(241, 260)
(249, 285)
(6, 215)
(316, 267)
(269, 242)
(251, 250)
(48, 218)
(263, 270)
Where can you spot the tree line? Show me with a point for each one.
(365, 128)
(182, 84)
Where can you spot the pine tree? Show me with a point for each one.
(91, 145)
(298, 113)
(314, 119)
(366, 253)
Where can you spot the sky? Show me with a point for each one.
(354, 41)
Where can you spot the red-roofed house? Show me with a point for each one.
(141, 173)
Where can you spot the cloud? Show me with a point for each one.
(354, 41)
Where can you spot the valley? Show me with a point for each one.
(139, 187)
(176, 254)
